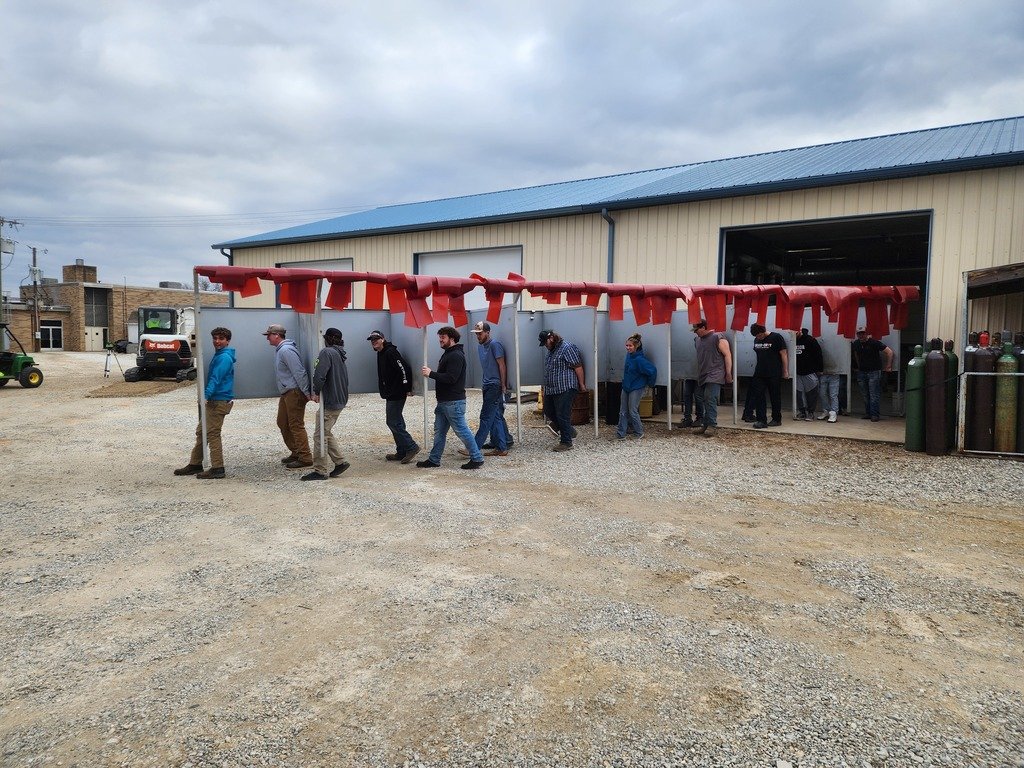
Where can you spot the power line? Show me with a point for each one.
(189, 220)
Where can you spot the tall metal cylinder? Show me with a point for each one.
(970, 352)
(952, 380)
(914, 435)
(982, 401)
(1005, 437)
(935, 400)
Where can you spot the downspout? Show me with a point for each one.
(231, 262)
(611, 244)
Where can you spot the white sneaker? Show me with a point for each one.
(831, 417)
(823, 415)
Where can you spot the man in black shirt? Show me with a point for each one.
(450, 376)
(771, 368)
(868, 354)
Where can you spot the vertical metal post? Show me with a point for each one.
(594, 388)
(320, 345)
(519, 381)
(668, 367)
(197, 355)
(426, 382)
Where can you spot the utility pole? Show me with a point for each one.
(35, 302)
(4, 312)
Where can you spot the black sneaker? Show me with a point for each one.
(338, 469)
(472, 465)
(427, 463)
(775, 423)
(760, 425)
(314, 476)
(685, 423)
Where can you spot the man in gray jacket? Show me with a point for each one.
(293, 386)
(330, 389)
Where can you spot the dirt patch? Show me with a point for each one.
(139, 388)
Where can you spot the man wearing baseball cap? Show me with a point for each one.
(293, 386)
(330, 389)
(868, 354)
(563, 377)
(494, 385)
(394, 382)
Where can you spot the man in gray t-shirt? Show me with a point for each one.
(714, 369)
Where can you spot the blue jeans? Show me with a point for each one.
(629, 413)
(707, 403)
(558, 408)
(829, 384)
(870, 385)
(396, 423)
(690, 400)
(492, 419)
(452, 413)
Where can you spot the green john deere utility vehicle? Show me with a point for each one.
(20, 367)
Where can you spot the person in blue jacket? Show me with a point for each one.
(638, 373)
(220, 396)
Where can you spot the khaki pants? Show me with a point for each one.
(216, 410)
(291, 415)
(324, 464)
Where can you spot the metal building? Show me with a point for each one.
(917, 208)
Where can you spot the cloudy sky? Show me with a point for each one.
(136, 134)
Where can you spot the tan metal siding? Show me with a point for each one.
(978, 221)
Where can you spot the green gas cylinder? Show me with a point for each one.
(935, 416)
(914, 440)
(1005, 438)
(952, 380)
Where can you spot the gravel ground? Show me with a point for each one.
(747, 600)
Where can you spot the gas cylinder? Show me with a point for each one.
(982, 400)
(996, 344)
(969, 354)
(935, 400)
(914, 436)
(952, 380)
(1005, 436)
(1018, 347)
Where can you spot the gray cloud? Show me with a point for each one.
(165, 115)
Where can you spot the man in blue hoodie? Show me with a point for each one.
(219, 395)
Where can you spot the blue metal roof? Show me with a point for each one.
(969, 146)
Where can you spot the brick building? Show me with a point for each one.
(81, 314)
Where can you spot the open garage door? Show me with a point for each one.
(876, 250)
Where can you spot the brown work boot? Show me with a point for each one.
(562, 447)
(189, 469)
(213, 473)
(299, 463)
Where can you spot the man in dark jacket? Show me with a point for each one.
(330, 389)
(451, 401)
(394, 381)
(809, 365)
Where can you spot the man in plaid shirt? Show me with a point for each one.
(563, 378)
